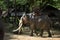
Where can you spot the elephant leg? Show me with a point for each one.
(31, 33)
(49, 33)
(41, 34)
(36, 32)
(20, 31)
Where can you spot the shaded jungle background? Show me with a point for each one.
(12, 10)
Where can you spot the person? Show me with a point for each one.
(36, 11)
(1, 26)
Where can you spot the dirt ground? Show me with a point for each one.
(11, 36)
(26, 36)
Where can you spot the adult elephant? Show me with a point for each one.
(37, 21)
(41, 22)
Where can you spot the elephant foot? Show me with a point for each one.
(49, 36)
(31, 35)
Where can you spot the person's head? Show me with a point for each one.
(36, 10)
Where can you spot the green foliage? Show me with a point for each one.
(57, 5)
(22, 2)
(4, 3)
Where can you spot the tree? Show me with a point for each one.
(43, 3)
(2, 5)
